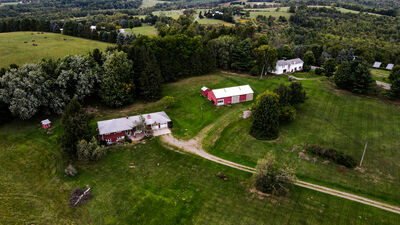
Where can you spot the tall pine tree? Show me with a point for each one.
(266, 118)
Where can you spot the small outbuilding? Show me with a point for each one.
(288, 66)
(377, 65)
(231, 95)
(204, 91)
(389, 66)
(46, 123)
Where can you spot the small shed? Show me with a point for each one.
(389, 66)
(377, 64)
(204, 91)
(46, 123)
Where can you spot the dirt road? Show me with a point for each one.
(194, 146)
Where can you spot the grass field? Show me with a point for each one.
(331, 118)
(165, 187)
(143, 30)
(343, 10)
(214, 21)
(150, 3)
(283, 11)
(380, 75)
(14, 50)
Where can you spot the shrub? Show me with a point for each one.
(266, 118)
(319, 71)
(270, 178)
(90, 151)
(297, 94)
(127, 139)
(168, 101)
(287, 114)
(332, 154)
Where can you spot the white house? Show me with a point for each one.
(288, 66)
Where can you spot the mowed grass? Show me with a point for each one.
(380, 75)
(331, 118)
(165, 187)
(150, 3)
(283, 11)
(213, 21)
(143, 30)
(49, 45)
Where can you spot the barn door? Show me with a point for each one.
(235, 99)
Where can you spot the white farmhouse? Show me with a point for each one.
(288, 66)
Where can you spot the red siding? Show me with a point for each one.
(205, 93)
(46, 126)
(113, 136)
(211, 97)
(242, 98)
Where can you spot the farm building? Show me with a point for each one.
(288, 66)
(377, 64)
(389, 66)
(113, 130)
(46, 123)
(230, 95)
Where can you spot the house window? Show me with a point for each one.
(120, 138)
(108, 140)
(220, 102)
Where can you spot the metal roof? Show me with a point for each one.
(127, 123)
(289, 62)
(233, 91)
(377, 64)
(389, 66)
(204, 88)
(45, 122)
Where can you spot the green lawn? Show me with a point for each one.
(14, 50)
(150, 3)
(332, 118)
(380, 75)
(213, 21)
(170, 13)
(166, 187)
(283, 11)
(343, 10)
(143, 30)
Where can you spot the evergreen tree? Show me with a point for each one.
(266, 118)
(329, 67)
(242, 56)
(297, 94)
(394, 78)
(354, 76)
(150, 80)
(75, 125)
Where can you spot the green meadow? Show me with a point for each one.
(168, 187)
(282, 11)
(143, 30)
(13, 48)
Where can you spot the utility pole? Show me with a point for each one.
(362, 157)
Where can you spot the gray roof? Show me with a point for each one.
(45, 122)
(289, 62)
(389, 66)
(377, 64)
(127, 123)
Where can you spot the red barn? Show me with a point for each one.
(231, 95)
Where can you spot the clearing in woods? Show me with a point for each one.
(30, 47)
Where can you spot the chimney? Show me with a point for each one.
(148, 116)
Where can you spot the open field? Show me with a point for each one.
(343, 10)
(380, 75)
(8, 3)
(165, 187)
(214, 21)
(283, 11)
(49, 45)
(143, 30)
(331, 118)
(170, 13)
(150, 3)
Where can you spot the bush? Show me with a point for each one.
(332, 154)
(287, 114)
(354, 76)
(90, 151)
(319, 71)
(297, 94)
(168, 101)
(266, 118)
(127, 139)
(270, 178)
